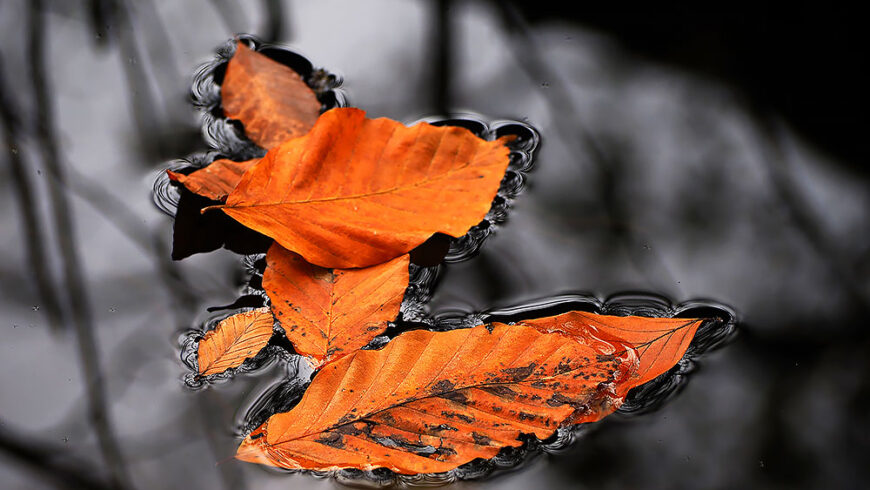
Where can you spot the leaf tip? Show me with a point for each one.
(175, 176)
(241, 46)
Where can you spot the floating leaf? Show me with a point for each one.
(270, 99)
(235, 339)
(660, 342)
(216, 180)
(328, 313)
(355, 192)
(431, 401)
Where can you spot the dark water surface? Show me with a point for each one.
(653, 190)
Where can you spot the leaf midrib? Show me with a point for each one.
(434, 395)
(391, 190)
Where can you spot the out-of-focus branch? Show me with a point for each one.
(49, 462)
(34, 240)
(144, 103)
(777, 165)
(231, 15)
(74, 282)
(146, 54)
(532, 60)
(159, 50)
(442, 54)
(127, 222)
(231, 476)
(274, 28)
(101, 12)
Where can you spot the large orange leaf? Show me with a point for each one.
(233, 340)
(660, 342)
(431, 401)
(328, 313)
(355, 192)
(216, 180)
(270, 99)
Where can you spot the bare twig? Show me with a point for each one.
(74, 282)
(50, 462)
(34, 240)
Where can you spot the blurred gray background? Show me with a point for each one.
(693, 153)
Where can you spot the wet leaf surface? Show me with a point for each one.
(329, 313)
(233, 340)
(355, 192)
(429, 402)
(269, 98)
(660, 342)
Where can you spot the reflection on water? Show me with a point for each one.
(695, 199)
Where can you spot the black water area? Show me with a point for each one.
(646, 179)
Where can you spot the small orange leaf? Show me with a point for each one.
(270, 99)
(430, 401)
(660, 342)
(235, 339)
(329, 313)
(216, 180)
(355, 192)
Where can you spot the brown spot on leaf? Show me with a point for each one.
(557, 400)
(331, 439)
(442, 386)
(480, 439)
(501, 391)
(455, 396)
(460, 416)
(519, 373)
(441, 427)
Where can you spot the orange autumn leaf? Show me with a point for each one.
(431, 401)
(216, 180)
(233, 340)
(329, 313)
(660, 342)
(355, 192)
(270, 99)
